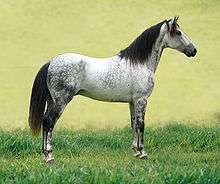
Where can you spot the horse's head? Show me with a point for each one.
(177, 39)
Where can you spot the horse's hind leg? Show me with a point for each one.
(54, 111)
(133, 122)
(50, 104)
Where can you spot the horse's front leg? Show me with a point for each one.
(138, 127)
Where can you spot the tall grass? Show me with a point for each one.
(177, 154)
(31, 32)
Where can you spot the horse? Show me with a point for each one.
(126, 77)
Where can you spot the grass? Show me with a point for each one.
(32, 32)
(177, 154)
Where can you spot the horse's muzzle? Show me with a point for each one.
(190, 50)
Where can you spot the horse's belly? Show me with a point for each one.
(106, 82)
(108, 95)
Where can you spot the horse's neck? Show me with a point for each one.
(154, 59)
(155, 55)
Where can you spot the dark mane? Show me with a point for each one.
(139, 50)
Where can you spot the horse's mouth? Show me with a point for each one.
(189, 54)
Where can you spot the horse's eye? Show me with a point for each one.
(178, 33)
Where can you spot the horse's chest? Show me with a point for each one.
(143, 83)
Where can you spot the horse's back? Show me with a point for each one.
(72, 73)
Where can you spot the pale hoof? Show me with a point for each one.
(143, 155)
(140, 154)
(50, 161)
(137, 154)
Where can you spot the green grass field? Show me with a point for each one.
(177, 154)
(186, 91)
(31, 32)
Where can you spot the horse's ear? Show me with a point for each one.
(174, 25)
(174, 21)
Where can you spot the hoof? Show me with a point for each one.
(140, 154)
(50, 161)
(143, 156)
(137, 154)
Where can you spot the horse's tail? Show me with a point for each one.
(39, 95)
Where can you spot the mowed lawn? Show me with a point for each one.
(177, 154)
(186, 89)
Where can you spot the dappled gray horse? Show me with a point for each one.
(126, 77)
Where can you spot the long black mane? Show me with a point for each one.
(139, 50)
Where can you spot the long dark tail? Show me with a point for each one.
(39, 95)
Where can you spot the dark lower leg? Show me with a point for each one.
(139, 127)
(47, 143)
(140, 136)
